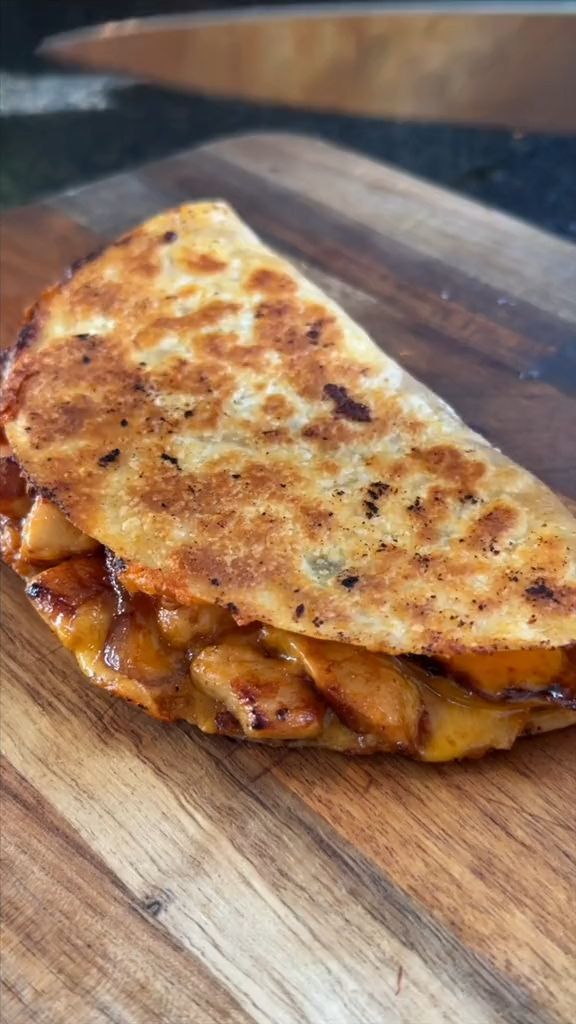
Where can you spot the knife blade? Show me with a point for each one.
(510, 65)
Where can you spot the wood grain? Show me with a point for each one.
(153, 875)
(97, 951)
(37, 244)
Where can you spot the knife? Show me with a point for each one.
(506, 65)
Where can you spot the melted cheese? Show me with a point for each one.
(509, 670)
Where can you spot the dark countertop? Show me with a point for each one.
(532, 176)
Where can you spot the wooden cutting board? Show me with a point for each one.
(156, 876)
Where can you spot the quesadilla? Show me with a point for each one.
(237, 511)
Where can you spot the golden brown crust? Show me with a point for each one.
(192, 402)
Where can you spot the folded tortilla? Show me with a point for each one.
(272, 530)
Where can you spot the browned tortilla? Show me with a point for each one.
(195, 404)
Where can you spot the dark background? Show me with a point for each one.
(532, 176)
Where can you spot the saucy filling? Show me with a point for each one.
(196, 663)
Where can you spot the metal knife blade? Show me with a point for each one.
(511, 65)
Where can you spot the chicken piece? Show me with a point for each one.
(123, 652)
(196, 625)
(10, 545)
(14, 499)
(47, 536)
(135, 647)
(59, 595)
(271, 699)
(370, 693)
(539, 676)
(76, 601)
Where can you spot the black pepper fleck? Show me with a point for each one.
(377, 489)
(299, 611)
(350, 582)
(105, 460)
(416, 505)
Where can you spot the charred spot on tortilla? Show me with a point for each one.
(345, 406)
(171, 459)
(28, 332)
(540, 591)
(375, 491)
(349, 582)
(78, 264)
(416, 506)
(109, 457)
(315, 330)
(378, 489)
